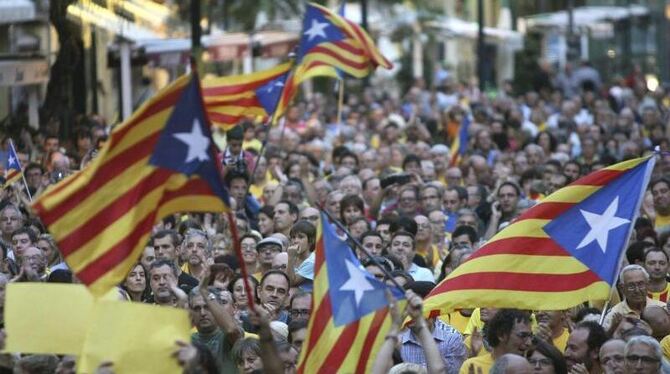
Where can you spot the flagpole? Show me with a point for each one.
(340, 99)
(647, 177)
(360, 246)
(23, 176)
(231, 218)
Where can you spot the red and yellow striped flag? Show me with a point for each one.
(161, 161)
(230, 99)
(350, 317)
(563, 251)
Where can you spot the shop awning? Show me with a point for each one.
(456, 27)
(105, 19)
(585, 16)
(12, 11)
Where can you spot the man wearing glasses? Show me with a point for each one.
(642, 355)
(507, 332)
(634, 281)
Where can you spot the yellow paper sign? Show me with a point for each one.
(137, 338)
(47, 317)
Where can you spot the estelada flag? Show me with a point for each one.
(329, 46)
(13, 170)
(350, 314)
(561, 252)
(159, 162)
(233, 98)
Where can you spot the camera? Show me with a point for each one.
(397, 178)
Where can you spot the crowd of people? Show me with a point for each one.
(386, 174)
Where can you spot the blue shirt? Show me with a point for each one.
(449, 343)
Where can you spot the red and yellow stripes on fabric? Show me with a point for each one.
(228, 100)
(11, 176)
(455, 155)
(358, 36)
(339, 349)
(101, 217)
(522, 267)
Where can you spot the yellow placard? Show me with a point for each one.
(47, 317)
(137, 338)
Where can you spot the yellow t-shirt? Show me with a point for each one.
(456, 320)
(661, 221)
(665, 347)
(562, 341)
(660, 296)
(435, 253)
(468, 345)
(483, 362)
(474, 322)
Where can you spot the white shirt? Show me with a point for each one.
(420, 274)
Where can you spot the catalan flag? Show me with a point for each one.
(230, 99)
(329, 46)
(459, 146)
(13, 170)
(350, 317)
(161, 161)
(563, 251)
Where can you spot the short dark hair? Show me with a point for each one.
(597, 335)
(268, 210)
(292, 208)
(235, 174)
(403, 223)
(552, 353)
(371, 233)
(25, 230)
(503, 323)
(298, 294)
(383, 261)
(172, 234)
(465, 230)
(410, 158)
(254, 285)
(236, 133)
(273, 272)
(34, 165)
(307, 228)
(659, 180)
(160, 263)
(403, 233)
(512, 184)
(635, 251)
(295, 325)
(655, 250)
(351, 200)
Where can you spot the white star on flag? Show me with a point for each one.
(317, 29)
(357, 282)
(11, 160)
(198, 144)
(276, 84)
(601, 225)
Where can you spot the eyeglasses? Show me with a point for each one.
(543, 362)
(647, 360)
(633, 286)
(429, 197)
(296, 313)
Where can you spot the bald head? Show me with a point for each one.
(511, 364)
(658, 319)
